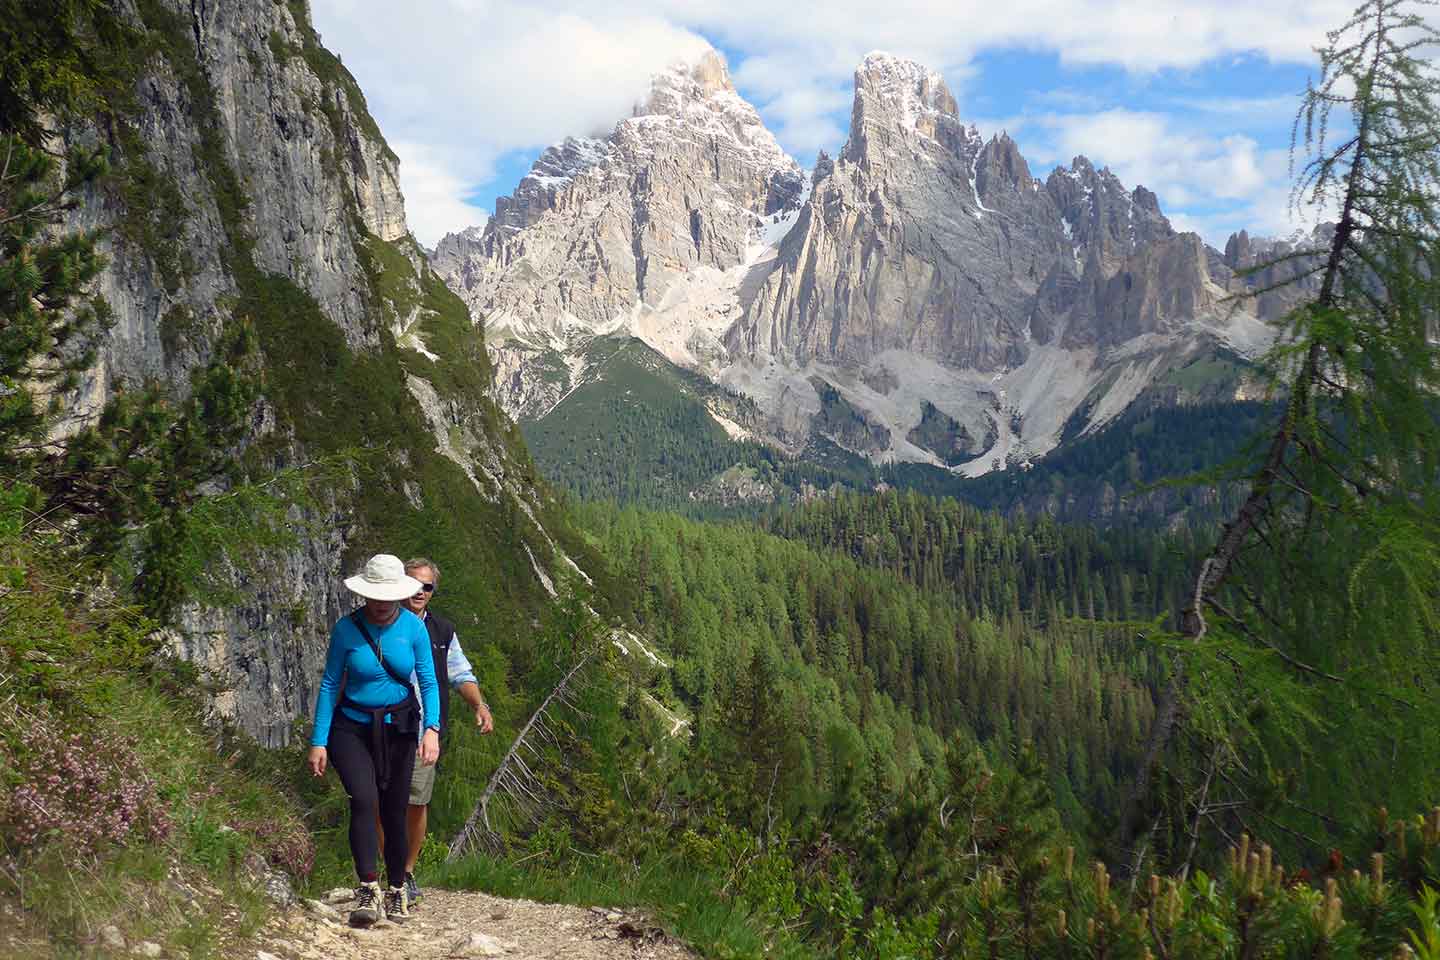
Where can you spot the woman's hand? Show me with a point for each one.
(317, 760)
(430, 746)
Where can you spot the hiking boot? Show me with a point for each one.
(412, 889)
(396, 907)
(367, 905)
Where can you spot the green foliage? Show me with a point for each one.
(155, 215)
(126, 476)
(942, 436)
(149, 808)
(833, 662)
(638, 430)
(44, 344)
(1165, 461)
(1039, 569)
(57, 57)
(1307, 648)
(1425, 936)
(332, 400)
(231, 538)
(964, 857)
(458, 365)
(332, 73)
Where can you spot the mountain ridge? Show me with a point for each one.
(924, 258)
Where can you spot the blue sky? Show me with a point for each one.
(1193, 100)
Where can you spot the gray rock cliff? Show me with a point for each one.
(276, 202)
(922, 237)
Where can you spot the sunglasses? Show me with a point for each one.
(425, 588)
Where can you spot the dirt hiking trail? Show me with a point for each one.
(456, 925)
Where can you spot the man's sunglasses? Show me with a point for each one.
(425, 588)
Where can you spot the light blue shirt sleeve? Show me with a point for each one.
(457, 665)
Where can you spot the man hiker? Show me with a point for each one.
(453, 668)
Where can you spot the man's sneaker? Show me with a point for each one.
(367, 905)
(412, 889)
(396, 907)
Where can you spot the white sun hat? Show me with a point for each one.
(384, 578)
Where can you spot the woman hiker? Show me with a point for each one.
(367, 730)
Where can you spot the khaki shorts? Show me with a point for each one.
(422, 783)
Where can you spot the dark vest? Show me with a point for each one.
(441, 632)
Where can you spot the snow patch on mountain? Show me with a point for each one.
(773, 231)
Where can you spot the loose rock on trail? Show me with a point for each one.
(455, 925)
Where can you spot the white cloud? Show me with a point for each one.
(433, 194)
(1146, 148)
(1267, 213)
(471, 80)
(803, 117)
(475, 79)
(1261, 111)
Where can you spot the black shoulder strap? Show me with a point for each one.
(359, 617)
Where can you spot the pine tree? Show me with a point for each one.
(1315, 613)
(126, 476)
(45, 344)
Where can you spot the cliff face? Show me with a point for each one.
(922, 237)
(252, 186)
(962, 309)
(602, 235)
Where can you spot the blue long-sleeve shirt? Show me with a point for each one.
(405, 646)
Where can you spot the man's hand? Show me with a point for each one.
(429, 750)
(316, 761)
(483, 720)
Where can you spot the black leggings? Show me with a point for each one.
(349, 753)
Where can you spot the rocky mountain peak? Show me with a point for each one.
(696, 100)
(1278, 270)
(692, 106)
(896, 99)
(875, 303)
(1101, 215)
(684, 83)
(609, 235)
(539, 191)
(1238, 253)
(695, 79)
(1145, 200)
(1001, 166)
(911, 88)
(824, 166)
